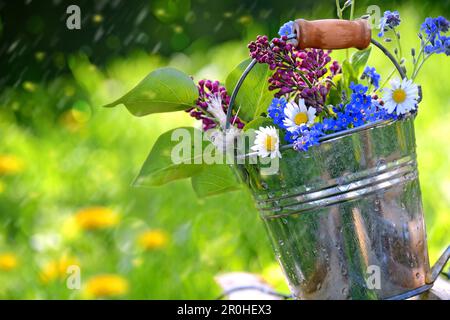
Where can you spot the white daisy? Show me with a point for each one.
(267, 142)
(216, 110)
(297, 115)
(402, 97)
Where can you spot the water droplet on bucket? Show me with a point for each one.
(319, 286)
(381, 164)
(340, 180)
(344, 187)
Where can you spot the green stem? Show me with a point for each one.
(352, 10)
(387, 80)
(304, 78)
(420, 67)
(340, 16)
(421, 53)
(399, 44)
(338, 9)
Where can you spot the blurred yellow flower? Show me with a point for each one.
(29, 86)
(153, 239)
(96, 218)
(73, 120)
(10, 165)
(57, 269)
(106, 285)
(8, 261)
(97, 18)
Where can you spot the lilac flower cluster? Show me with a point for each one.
(207, 89)
(434, 29)
(298, 73)
(261, 51)
(372, 76)
(390, 20)
(359, 110)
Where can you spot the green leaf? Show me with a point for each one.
(177, 154)
(163, 90)
(359, 60)
(335, 95)
(215, 179)
(259, 122)
(254, 96)
(349, 74)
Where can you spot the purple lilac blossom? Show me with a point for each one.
(297, 73)
(206, 89)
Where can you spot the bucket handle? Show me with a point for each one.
(326, 34)
(438, 267)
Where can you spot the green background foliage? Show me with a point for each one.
(71, 154)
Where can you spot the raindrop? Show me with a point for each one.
(157, 47)
(140, 17)
(281, 242)
(276, 209)
(99, 34)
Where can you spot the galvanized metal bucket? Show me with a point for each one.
(345, 218)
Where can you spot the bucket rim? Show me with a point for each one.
(347, 132)
(344, 133)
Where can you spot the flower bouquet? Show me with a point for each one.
(326, 147)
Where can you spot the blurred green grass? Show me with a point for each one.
(84, 156)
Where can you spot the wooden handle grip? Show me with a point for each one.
(333, 34)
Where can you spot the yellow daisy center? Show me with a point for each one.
(399, 95)
(270, 143)
(300, 118)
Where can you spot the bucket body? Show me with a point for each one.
(345, 218)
